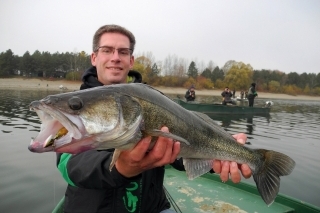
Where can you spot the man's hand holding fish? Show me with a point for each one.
(224, 168)
(139, 159)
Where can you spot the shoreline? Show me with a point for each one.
(69, 86)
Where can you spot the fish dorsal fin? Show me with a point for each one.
(197, 167)
(159, 133)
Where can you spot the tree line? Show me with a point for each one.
(171, 72)
(44, 64)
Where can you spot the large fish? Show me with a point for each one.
(118, 116)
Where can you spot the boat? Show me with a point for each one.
(214, 108)
(208, 194)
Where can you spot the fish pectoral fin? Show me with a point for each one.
(159, 133)
(197, 167)
(115, 157)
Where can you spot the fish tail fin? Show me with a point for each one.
(267, 175)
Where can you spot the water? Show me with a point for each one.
(30, 182)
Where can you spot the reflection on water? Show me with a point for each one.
(247, 120)
(31, 183)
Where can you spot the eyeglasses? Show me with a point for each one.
(122, 52)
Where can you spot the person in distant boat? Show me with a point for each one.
(242, 94)
(234, 93)
(252, 94)
(246, 94)
(190, 94)
(226, 94)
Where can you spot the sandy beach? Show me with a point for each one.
(69, 86)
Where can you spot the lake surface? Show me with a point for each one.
(30, 182)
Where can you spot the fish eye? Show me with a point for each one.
(75, 103)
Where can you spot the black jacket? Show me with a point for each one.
(90, 78)
(190, 97)
(93, 188)
(252, 93)
(227, 95)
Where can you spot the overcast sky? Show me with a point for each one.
(268, 34)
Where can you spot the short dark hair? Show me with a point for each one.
(112, 28)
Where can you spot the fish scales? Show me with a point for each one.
(204, 141)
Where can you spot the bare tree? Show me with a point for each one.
(211, 65)
(168, 65)
(150, 59)
(182, 68)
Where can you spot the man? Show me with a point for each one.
(190, 94)
(242, 94)
(252, 94)
(226, 94)
(135, 184)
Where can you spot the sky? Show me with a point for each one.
(267, 34)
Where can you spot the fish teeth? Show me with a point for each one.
(48, 141)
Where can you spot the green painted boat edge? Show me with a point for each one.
(59, 206)
(295, 205)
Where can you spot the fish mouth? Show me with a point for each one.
(57, 129)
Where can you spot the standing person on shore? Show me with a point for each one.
(135, 184)
(190, 94)
(252, 94)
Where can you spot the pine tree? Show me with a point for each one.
(193, 71)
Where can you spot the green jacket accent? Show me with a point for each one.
(62, 166)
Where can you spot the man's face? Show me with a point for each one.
(112, 68)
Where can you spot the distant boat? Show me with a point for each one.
(213, 108)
